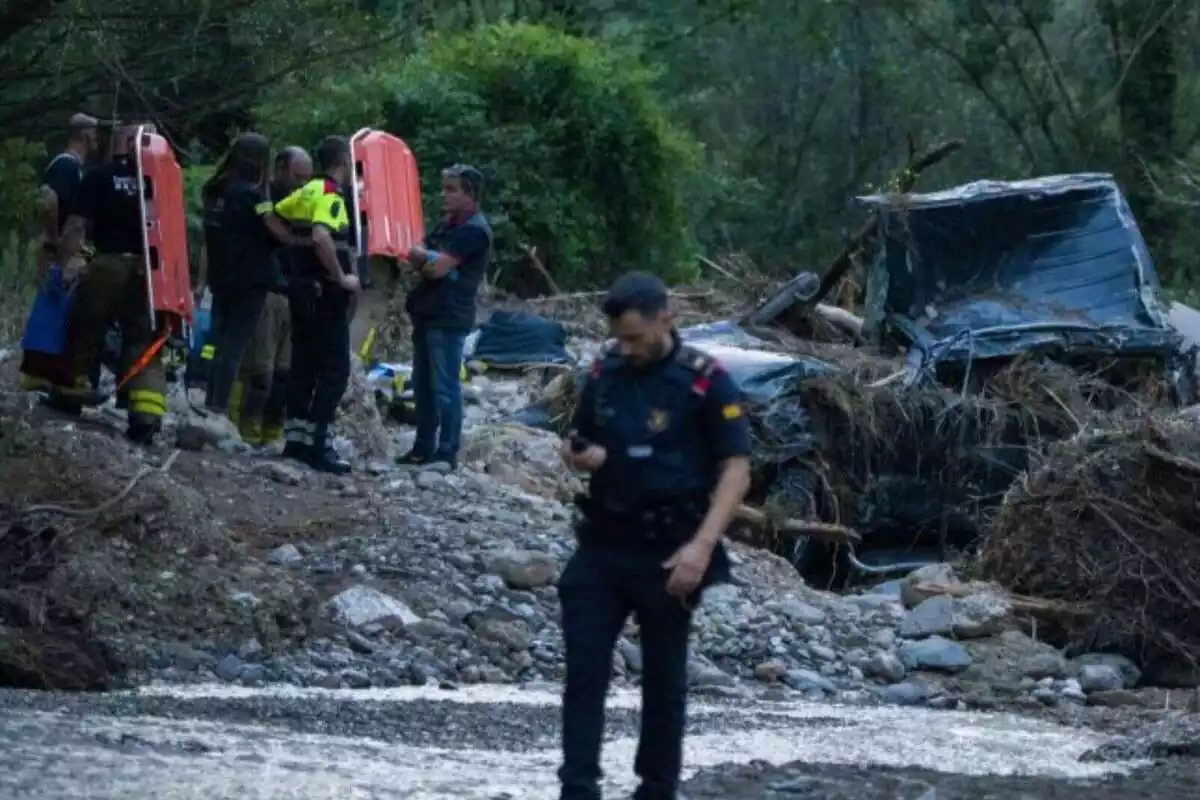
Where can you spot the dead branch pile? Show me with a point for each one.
(853, 448)
(1111, 520)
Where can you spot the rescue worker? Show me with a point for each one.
(112, 288)
(60, 184)
(662, 431)
(240, 235)
(321, 285)
(259, 397)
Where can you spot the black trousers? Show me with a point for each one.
(320, 353)
(598, 590)
(235, 314)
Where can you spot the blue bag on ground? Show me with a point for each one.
(46, 329)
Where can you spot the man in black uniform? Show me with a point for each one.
(663, 433)
(322, 284)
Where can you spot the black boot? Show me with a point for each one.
(322, 456)
(298, 442)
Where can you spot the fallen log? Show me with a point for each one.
(821, 531)
(1034, 606)
(781, 306)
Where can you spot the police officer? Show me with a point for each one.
(662, 432)
(113, 285)
(322, 284)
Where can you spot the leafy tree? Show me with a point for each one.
(584, 168)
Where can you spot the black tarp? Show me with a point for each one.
(996, 269)
(517, 339)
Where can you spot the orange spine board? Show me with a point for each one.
(389, 194)
(165, 215)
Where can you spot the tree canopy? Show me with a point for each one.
(618, 134)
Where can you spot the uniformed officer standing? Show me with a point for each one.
(662, 431)
(321, 287)
(113, 285)
(260, 393)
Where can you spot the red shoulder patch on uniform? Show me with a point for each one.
(331, 187)
(701, 384)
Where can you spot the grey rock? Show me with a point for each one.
(524, 569)
(905, 694)
(799, 611)
(935, 653)
(974, 616)
(228, 668)
(885, 666)
(770, 671)
(1100, 678)
(514, 635)
(252, 674)
(1130, 673)
(280, 472)
(701, 675)
(285, 555)
(806, 680)
(250, 651)
(1044, 665)
(361, 605)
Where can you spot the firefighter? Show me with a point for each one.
(260, 393)
(322, 285)
(112, 287)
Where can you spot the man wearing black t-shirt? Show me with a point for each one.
(60, 184)
(442, 306)
(113, 286)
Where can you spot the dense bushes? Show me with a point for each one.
(581, 161)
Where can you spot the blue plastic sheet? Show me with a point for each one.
(996, 269)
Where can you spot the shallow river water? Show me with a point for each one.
(478, 743)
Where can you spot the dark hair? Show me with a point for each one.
(246, 160)
(636, 291)
(470, 178)
(332, 152)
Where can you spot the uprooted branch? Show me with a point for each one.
(52, 508)
(784, 308)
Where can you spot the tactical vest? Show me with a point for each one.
(650, 424)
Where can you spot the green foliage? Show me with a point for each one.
(20, 161)
(581, 161)
(194, 178)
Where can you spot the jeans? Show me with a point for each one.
(599, 589)
(235, 314)
(437, 390)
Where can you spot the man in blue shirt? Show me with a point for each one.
(442, 306)
(662, 431)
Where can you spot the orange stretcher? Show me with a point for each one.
(387, 213)
(164, 233)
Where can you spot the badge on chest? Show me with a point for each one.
(657, 420)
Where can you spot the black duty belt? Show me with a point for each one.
(667, 521)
